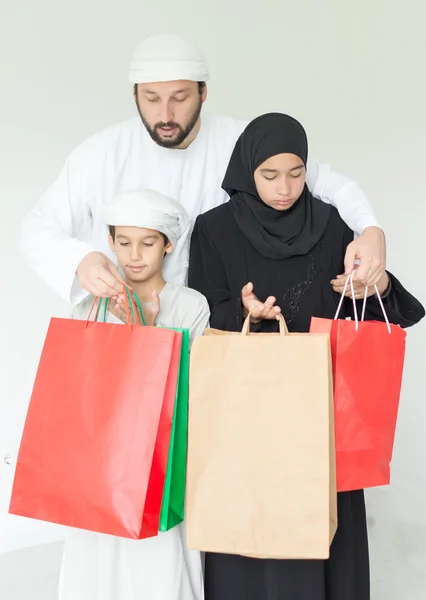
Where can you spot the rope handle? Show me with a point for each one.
(282, 325)
(349, 280)
(132, 304)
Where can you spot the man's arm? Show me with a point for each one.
(49, 233)
(51, 241)
(369, 249)
(344, 194)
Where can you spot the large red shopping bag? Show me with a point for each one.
(368, 361)
(95, 444)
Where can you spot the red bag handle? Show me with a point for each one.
(129, 305)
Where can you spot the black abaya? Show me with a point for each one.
(222, 261)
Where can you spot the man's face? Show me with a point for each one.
(170, 111)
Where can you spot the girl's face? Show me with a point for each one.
(280, 180)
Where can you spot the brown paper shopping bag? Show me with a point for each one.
(261, 462)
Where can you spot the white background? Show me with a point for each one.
(352, 72)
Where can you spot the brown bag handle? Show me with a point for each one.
(282, 324)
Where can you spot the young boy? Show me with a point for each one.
(144, 229)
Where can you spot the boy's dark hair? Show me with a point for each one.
(112, 234)
(201, 86)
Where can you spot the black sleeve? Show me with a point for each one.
(207, 275)
(401, 307)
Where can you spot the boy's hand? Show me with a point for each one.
(150, 312)
(259, 310)
(117, 309)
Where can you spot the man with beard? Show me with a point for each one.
(173, 150)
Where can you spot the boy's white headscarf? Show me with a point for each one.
(151, 210)
(167, 57)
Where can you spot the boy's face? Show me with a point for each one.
(140, 252)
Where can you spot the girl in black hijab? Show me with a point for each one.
(274, 248)
(263, 224)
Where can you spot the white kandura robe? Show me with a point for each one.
(66, 222)
(103, 567)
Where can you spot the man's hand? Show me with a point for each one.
(259, 310)
(99, 276)
(369, 249)
(359, 288)
(150, 312)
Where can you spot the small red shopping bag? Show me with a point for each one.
(368, 360)
(95, 444)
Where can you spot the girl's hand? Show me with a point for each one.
(259, 310)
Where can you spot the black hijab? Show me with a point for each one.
(275, 234)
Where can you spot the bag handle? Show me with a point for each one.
(96, 301)
(282, 324)
(381, 306)
(99, 302)
(139, 308)
(130, 313)
(350, 281)
(133, 305)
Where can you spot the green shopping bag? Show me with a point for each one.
(173, 506)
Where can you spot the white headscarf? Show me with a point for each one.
(167, 58)
(151, 210)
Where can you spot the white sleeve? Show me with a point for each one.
(201, 321)
(49, 235)
(344, 194)
(81, 311)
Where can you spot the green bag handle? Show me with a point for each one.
(130, 295)
(98, 303)
(103, 302)
(140, 309)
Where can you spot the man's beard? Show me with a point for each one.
(183, 132)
